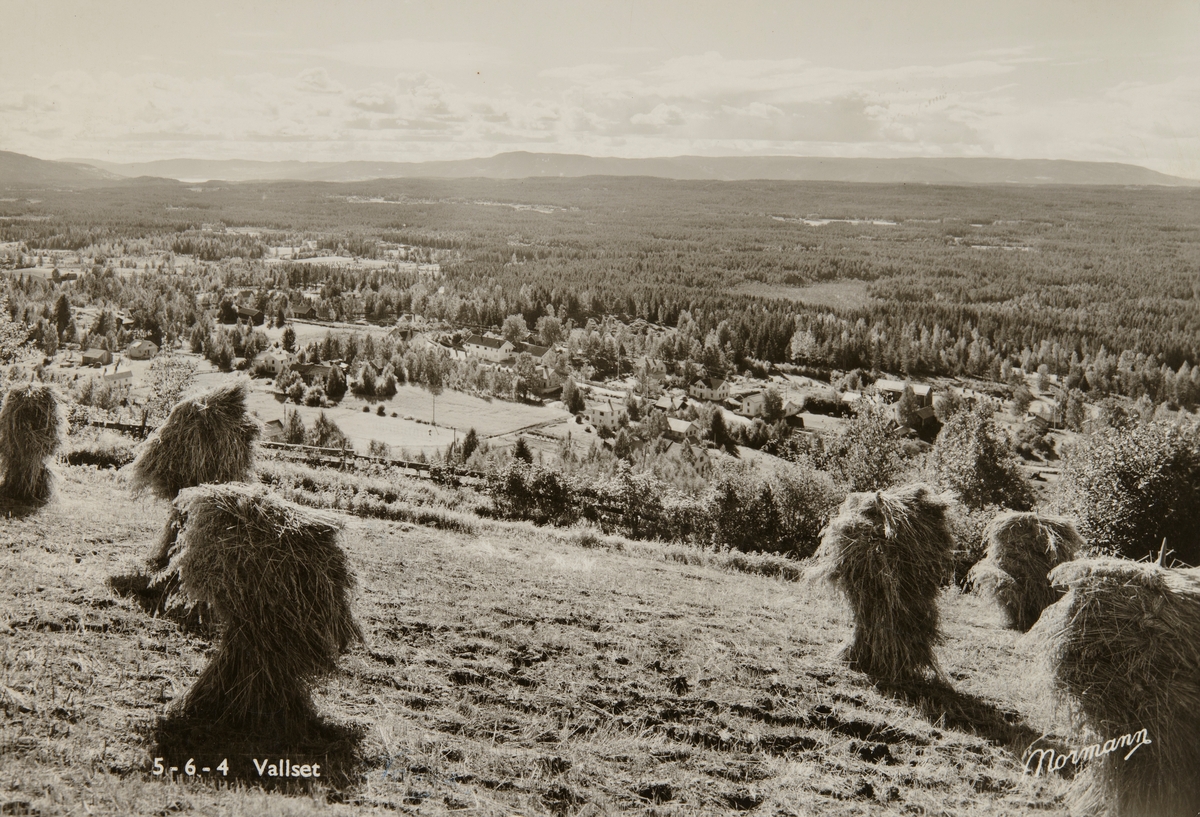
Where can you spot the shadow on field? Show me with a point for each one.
(253, 754)
(18, 509)
(943, 705)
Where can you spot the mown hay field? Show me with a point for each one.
(507, 671)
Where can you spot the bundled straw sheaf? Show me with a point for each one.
(888, 553)
(279, 586)
(1124, 649)
(207, 438)
(31, 430)
(1022, 549)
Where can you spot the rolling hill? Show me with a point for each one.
(519, 165)
(18, 170)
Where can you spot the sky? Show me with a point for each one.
(393, 80)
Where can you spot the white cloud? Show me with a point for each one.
(704, 103)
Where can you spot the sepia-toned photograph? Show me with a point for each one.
(584, 408)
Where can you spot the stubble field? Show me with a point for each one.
(512, 671)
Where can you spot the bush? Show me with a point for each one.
(973, 458)
(314, 396)
(542, 495)
(865, 455)
(105, 450)
(1133, 487)
(777, 512)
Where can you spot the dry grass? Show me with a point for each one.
(1022, 549)
(279, 584)
(507, 672)
(888, 553)
(1124, 647)
(31, 430)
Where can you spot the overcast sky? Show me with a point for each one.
(405, 81)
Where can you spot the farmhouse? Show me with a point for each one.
(714, 389)
(542, 355)
(313, 373)
(141, 350)
(496, 350)
(122, 378)
(273, 431)
(604, 415)
(651, 369)
(891, 390)
(680, 430)
(97, 357)
(274, 359)
(249, 314)
(304, 311)
(752, 403)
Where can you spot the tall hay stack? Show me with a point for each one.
(279, 585)
(208, 438)
(1022, 549)
(888, 552)
(31, 430)
(1124, 648)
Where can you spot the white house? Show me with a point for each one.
(141, 350)
(274, 359)
(604, 414)
(680, 430)
(752, 403)
(891, 390)
(710, 388)
(121, 378)
(497, 350)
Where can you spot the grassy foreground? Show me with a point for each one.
(506, 671)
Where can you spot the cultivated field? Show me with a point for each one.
(511, 671)
(844, 294)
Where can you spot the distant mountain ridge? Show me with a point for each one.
(520, 165)
(19, 170)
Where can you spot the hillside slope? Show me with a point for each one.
(506, 672)
(18, 170)
(521, 165)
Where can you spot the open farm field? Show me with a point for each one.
(507, 672)
(842, 294)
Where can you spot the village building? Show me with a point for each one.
(304, 312)
(713, 389)
(891, 391)
(250, 314)
(752, 404)
(679, 430)
(273, 431)
(496, 350)
(121, 378)
(97, 357)
(313, 373)
(651, 369)
(604, 415)
(141, 350)
(274, 359)
(542, 355)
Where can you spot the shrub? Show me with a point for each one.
(1132, 488)
(973, 458)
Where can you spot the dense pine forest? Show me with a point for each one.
(1101, 285)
